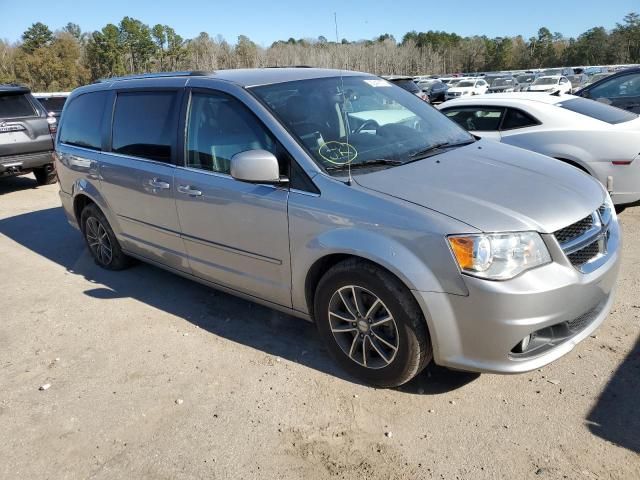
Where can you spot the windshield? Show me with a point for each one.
(546, 81)
(553, 71)
(501, 82)
(358, 120)
(526, 78)
(52, 104)
(465, 83)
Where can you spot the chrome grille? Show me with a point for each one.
(585, 240)
(573, 231)
(582, 256)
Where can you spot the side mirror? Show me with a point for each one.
(256, 166)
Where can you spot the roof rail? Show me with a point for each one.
(138, 76)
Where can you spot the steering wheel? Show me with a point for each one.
(367, 123)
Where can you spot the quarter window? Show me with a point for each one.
(625, 85)
(476, 119)
(145, 125)
(517, 119)
(218, 127)
(82, 125)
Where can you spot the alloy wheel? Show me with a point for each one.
(98, 240)
(363, 327)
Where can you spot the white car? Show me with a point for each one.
(601, 140)
(467, 88)
(550, 84)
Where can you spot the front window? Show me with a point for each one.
(465, 83)
(526, 78)
(359, 120)
(546, 81)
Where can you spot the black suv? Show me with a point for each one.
(622, 90)
(26, 135)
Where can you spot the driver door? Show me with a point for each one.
(236, 234)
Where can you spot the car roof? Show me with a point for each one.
(510, 96)
(248, 77)
(13, 88)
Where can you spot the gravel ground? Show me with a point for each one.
(154, 376)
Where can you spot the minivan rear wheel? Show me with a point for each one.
(101, 240)
(371, 324)
(45, 175)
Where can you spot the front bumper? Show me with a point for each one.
(478, 332)
(15, 164)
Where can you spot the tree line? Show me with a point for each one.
(64, 59)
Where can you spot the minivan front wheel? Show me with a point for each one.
(101, 240)
(371, 324)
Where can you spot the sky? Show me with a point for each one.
(267, 21)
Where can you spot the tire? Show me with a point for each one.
(45, 175)
(101, 240)
(363, 344)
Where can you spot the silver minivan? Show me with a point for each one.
(339, 198)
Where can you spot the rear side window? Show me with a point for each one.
(597, 110)
(82, 122)
(481, 119)
(15, 105)
(145, 125)
(517, 119)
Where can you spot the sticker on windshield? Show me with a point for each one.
(378, 83)
(338, 153)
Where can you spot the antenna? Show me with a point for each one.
(344, 101)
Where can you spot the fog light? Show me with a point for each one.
(522, 345)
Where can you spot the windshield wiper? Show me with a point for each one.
(435, 149)
(370, 163)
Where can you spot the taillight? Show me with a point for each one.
(53, 125)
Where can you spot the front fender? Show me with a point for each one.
(380, 249)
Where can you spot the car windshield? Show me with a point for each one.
(526, 78)
(359, 120)
(52, 104)
(553, 71)
(408, 85)
(501, 82)
(465, 83)
(546, 81)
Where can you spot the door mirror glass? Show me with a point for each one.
(256, 166)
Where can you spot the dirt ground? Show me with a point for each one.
(154, 376)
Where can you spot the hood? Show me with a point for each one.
(493, 187)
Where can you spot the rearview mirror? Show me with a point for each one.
(256, 166)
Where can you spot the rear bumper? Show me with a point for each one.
(478, 332)
(17, 163)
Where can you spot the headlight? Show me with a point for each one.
(608, 211)
(499, 256)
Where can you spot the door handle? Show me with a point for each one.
(157, 183)
(189, 190)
